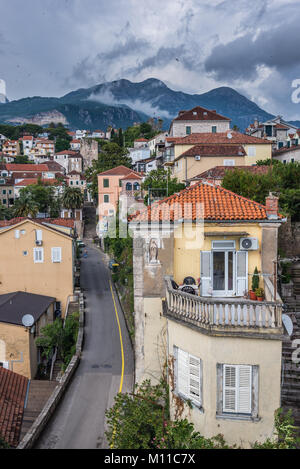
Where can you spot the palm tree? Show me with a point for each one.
(72, 198)
(25, 206)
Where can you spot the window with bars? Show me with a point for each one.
(188, 376)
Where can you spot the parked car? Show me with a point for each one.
(80, 243)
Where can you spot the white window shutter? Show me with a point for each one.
(17, 234)
(206, 273)
(195, 378)
(244, 389)
(38, 255)
(241, 272)
(229, 388)
(56, 254)
(39, 235)
(183, 373)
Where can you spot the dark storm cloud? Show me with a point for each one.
(277, 48)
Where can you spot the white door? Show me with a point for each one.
(223, 273)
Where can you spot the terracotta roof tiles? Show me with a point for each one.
(13, 388)
(218, 204)
(200, 113)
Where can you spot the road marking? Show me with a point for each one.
(122, 353)
(120, 334)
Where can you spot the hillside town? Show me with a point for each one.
(206, 278)
(149, 228)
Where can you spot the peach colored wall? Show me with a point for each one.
(113, 191)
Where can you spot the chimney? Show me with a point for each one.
(272, 207)
(256, 123)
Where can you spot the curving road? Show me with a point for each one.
(79, 421)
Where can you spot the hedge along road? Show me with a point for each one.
(106, 367)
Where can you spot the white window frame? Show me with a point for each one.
(56, 259)
(37, 261)
(228, 163)
(185, 374)
(251, 151)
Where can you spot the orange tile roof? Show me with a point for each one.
(219, 204)
(117, 171)
(132, 175)
(218, 172)
(26, 167)
(215, 150)
(68, 222)
(218, 138)
(13, 388)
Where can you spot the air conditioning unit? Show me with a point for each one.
(197, 157)
(248, 244)
(39, 242)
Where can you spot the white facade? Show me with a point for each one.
(137, 154)
(183, 128)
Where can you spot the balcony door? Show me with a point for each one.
(223, 273)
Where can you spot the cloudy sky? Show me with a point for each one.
(50, 47)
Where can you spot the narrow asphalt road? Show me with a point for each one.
(79, 421)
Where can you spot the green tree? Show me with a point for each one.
(72, 198)
(25, 206)
(6, 213)
(159, 183)
(22, 159)
(43, 196)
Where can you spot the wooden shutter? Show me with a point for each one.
(237, 389)
(206, 273)
(56, 254)
(229, 389)
(183, 373)
(195, 379)
(244, 389)
(241, 272)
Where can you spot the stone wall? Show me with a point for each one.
(289, 239)
(89, 151)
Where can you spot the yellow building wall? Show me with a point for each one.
(19, 272)
(17, 341)
(234, 351)
(263, 151)
(190, 241)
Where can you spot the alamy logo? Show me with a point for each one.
(296, 92)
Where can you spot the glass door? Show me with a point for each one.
(223, 269)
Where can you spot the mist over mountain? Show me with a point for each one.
(121, 103)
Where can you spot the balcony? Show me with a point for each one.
(235, 316)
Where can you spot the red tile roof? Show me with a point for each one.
(200, 113)
(26, 167)
(215, 150)
(30, 181)
(13, 388)
(117, 171)
(218, 204)
(68, 222)
(67, 152)
(141, 140)
(132, 175)
(285, 150)
(218, 172)
(217, 138)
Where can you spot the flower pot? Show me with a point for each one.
(259, 298)
(252, 295)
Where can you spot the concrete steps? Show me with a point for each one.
(39, 393)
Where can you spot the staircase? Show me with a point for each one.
(57, 370)
(290, 388)
(39, 393)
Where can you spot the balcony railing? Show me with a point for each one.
(227, 314)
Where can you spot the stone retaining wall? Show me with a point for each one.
(40, 423)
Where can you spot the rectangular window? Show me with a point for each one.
(188, 130)
(188, 376)
(56, 255)
(106, 199)
(251, 151)
(228, 163)
(214, 129)
(38, 255)
(105, 182)
(237, 387)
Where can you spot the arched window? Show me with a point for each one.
(129, 186)
(136, 186)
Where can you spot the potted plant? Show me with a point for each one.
(287, 286)
(259, 292)
(255, 285)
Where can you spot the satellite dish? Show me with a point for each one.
(229, 135)
(27, 320)
(288, 324)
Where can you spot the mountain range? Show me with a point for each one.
(121, 103)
